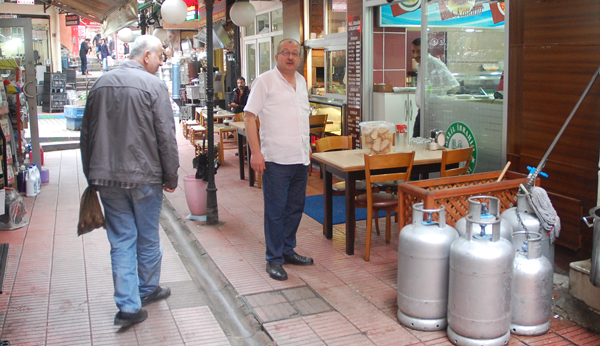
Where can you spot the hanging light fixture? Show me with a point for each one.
(174, 11)
(125, 35)
(242, 13)
(161, 34)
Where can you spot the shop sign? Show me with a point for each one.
(192, 9)
(339, 5)
(25, 2)
(459, 136)
(71, 20)
(219, 11)
(354, 82)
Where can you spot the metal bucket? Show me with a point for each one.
(595, 268)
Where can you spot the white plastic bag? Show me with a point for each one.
(110, 61)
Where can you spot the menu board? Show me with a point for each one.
(354, 79)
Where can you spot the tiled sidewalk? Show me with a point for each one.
(58, 287)
(341, 300)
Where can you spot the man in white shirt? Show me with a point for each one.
(439, 78)
(279, 98)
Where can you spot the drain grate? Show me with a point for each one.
(3, 257)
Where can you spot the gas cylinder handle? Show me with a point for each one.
(495, 222)
(587, 222)
(419, 211)
(493, 205)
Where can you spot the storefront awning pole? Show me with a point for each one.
(212, 209)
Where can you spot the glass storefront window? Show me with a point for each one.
(251, 62)
(462, 62)
(317, 73)
(336, 16)
(13, 45)
(335, 72)
(262, 21)
(277, 20)
(264, 52)
(250, 30)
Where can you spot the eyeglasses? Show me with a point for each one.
(286, 53)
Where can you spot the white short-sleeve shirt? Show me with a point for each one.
(283, 114)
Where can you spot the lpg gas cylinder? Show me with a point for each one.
(423, 252)
(531, 300)
(479, 286)
(484, 205)
(523, 218)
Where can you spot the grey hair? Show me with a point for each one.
(289, 40)
(142, 44)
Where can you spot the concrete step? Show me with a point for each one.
(580, 286)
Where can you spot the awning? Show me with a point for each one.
(97, 10)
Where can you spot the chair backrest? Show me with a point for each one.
(332, 143)
(317, 125)
(238, 116)
(377, 168)
(462, 157)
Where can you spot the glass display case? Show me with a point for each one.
(335, 110)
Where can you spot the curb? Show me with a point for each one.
(236, 319)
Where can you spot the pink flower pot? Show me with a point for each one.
(195, 194)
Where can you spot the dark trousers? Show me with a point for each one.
(417, 126)
(83, 63)
(284, 191)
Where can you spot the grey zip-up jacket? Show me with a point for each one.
(128, 129)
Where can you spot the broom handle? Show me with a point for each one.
(503, 172)
(533, 176)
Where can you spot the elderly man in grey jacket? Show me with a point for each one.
(129, 151)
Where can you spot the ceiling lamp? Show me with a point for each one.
(161, 34)
(242, 13)
(174, 11)
(125, 35)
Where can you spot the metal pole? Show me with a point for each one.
(212, 208)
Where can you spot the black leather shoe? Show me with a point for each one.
(125, 319)
(276, 271)
(297, 260)
(158, 294)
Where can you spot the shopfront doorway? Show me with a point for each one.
(16, 43)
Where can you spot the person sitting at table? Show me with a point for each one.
(279, 98)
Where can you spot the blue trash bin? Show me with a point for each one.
(65, 62)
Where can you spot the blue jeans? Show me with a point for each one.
(135, 252)
(284, 191)
(105, 64)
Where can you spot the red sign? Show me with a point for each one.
(497, 10)
(71, 20)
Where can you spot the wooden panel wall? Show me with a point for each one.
(554, 51)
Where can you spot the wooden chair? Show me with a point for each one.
(462, 157)
(334, 143)
(196, 135)
(224, 132)
(374, 202)
(317, 125)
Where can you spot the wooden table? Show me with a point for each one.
(241, 140)
(350, 165)
(218, 115)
